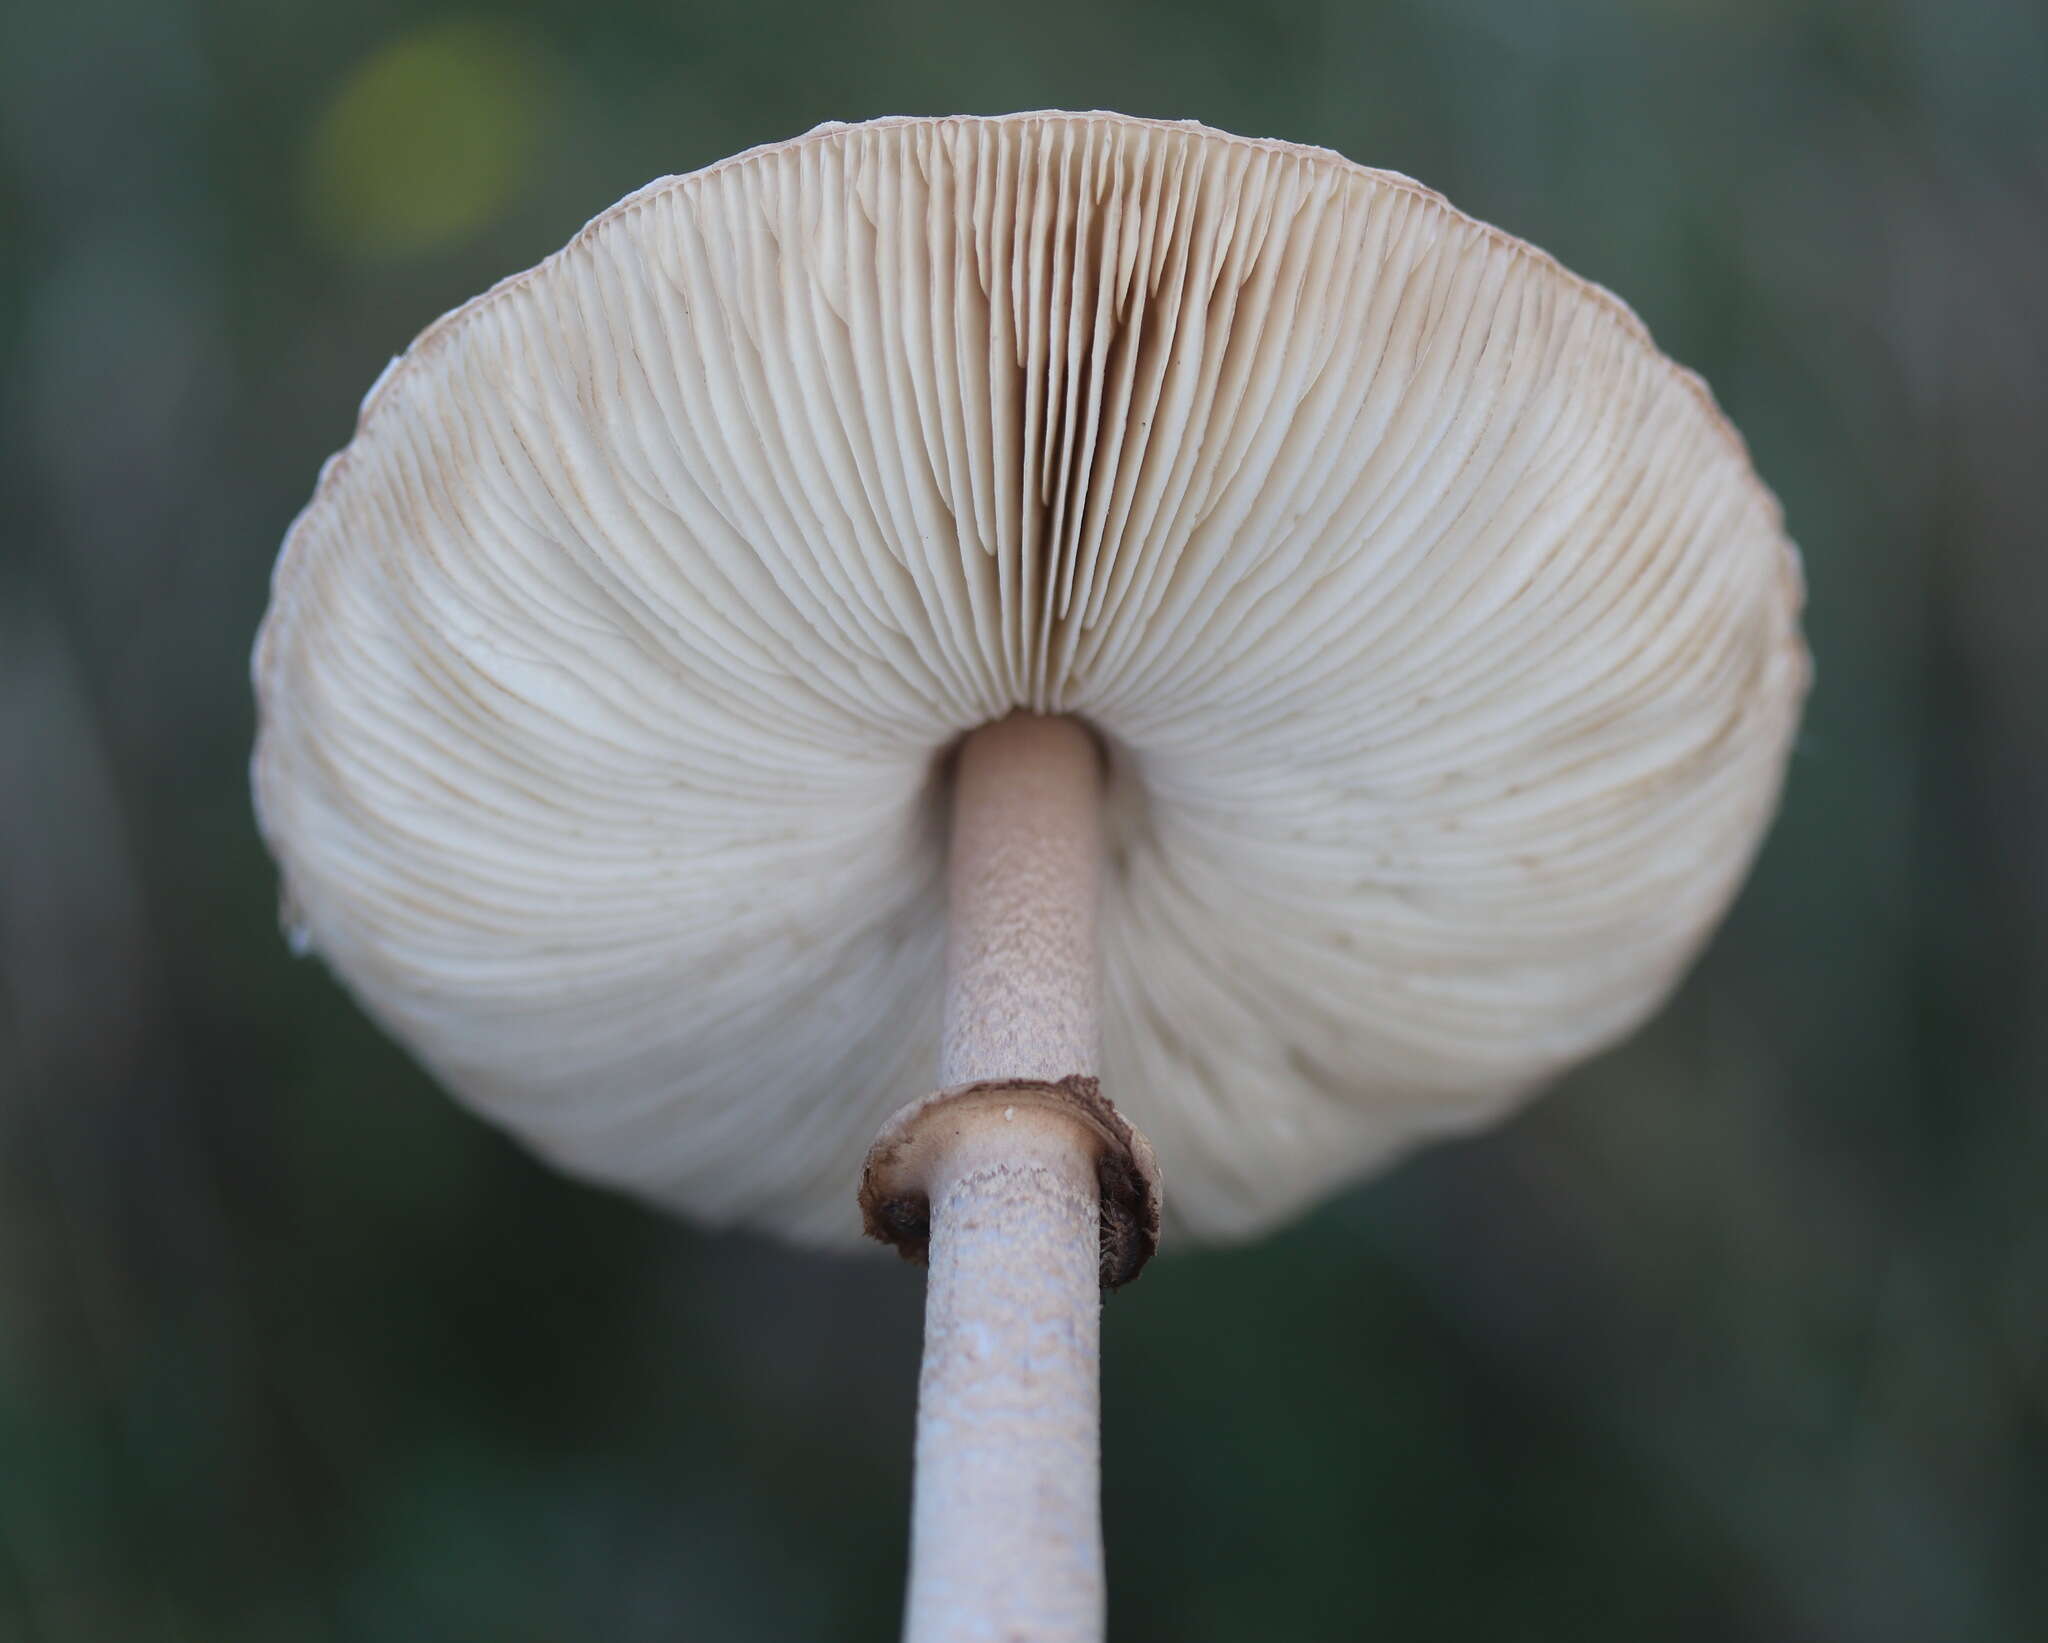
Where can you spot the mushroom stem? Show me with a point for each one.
(1023, 991)
(1006, 1526)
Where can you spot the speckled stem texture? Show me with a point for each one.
(1006, 1530)
(1023, 992)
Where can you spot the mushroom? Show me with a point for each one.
(1352, 666)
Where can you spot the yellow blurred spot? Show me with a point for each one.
(425, 141)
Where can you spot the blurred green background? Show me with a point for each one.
(1743, 1333)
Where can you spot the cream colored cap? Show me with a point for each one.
(1444, 644)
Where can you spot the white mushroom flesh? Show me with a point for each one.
(1444, 644)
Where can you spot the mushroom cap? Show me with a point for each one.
(1442, 640)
